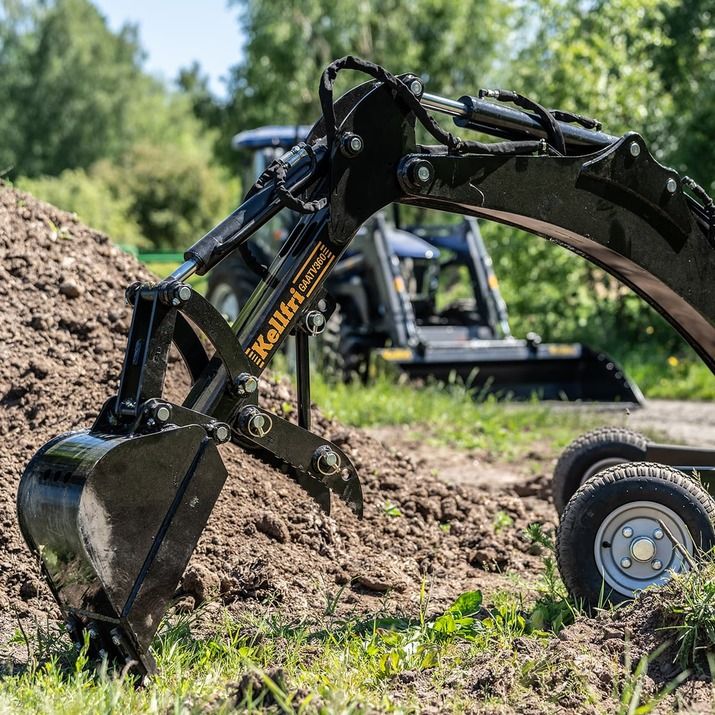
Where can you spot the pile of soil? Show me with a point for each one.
(267, 544)
(61, 341)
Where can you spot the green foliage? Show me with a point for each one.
(176, 195)
(689, 604)
(159, 196)
(86, 129)
(452, 44)
(67, 86)
(553, 609)
(597, 58)
(91, 199)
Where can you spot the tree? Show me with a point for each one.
(600, 58)
(451, 44)
(66, 85)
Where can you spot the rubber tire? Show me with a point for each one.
(239, 278)
(587, 450)
(608, 490)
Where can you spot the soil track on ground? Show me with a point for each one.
(267, 547)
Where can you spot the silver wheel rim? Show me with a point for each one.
(634, 551)
(599, 466)
(225, 301)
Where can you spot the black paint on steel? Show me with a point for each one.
(164, 527)
(302, 371)
(506, 122)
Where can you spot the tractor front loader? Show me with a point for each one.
(114, 512)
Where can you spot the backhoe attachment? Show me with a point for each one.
(114, 512)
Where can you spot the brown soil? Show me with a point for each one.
(267, 545)
(62, 335)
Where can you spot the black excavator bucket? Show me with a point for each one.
(114, 521)
(518, 369)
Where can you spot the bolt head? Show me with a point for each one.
(163, 413)
(625, 562)
(222, 433)
(423, 174)
(656, 564)
(627, 532)
(416, 87)
(183, 292)
(247, 383)
(634, 148)
(356, 144)
(658, 534)
(315, 321)
(671, 185)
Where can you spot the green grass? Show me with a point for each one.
(449, 414)
(329, 666)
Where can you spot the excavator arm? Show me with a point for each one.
(114, 512)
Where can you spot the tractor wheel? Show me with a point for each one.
(626, 529)
(230, 286)
(590, 454)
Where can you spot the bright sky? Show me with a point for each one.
(174, 33)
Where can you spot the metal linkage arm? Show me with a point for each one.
(254, 212)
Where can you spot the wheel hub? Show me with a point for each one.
(635, 546)
(643, 548)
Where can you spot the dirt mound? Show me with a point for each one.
(267, 545)
(61, 341)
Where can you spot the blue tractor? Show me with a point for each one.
(424, 299)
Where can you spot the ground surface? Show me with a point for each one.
(436, 518)
(682, 421)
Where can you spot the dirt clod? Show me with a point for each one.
(274, 527)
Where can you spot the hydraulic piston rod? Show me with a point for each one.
(501, 121)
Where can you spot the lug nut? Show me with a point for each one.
(246, 383)
(671, 185)
(315, 322)
(625, 562)
(254, 423)
(627, 532)
(326, 460)
(635, 149)
(658, 534)
(416, 87)
(656, 564)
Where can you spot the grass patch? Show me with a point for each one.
(450, 415)
(382, 663)
(670, 377)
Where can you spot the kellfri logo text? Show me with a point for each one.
(302, 285)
